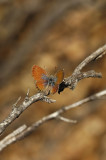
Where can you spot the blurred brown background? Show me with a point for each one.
(53, 34)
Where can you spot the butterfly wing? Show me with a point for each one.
(38, 73)
(42, 79)
(59, 76)
(41, 85)
(40, 76)
(54, 89)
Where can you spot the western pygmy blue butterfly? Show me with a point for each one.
(45, 82)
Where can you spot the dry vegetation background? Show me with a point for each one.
(53, 34)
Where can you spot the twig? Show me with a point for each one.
(77, 75)
(70, 82)
(11, 138)
(15, 104)
(95, 55)
(66, 119)
(17, 110)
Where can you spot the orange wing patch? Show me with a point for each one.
(37, 72)
(42, 79)
(40, 85)
(60, 76)
(54, 89)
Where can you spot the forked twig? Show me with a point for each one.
(25, 131)
(70, 82)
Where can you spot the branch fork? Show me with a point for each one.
(69, 82)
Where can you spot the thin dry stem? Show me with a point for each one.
(20, 134)
(70, 82)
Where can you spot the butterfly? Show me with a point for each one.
(45, 82)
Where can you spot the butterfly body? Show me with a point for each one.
(45, 82)
(52, 81)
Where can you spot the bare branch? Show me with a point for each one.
(15, 104)
(17, 110)
(70, 82)
(96, 96)
(89, 74)
(11, 138)
(95, 55)
(66, 119)
(27, 95)
(48, 100)
(77, 75)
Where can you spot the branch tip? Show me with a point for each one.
(66, 119)
(15, 104)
